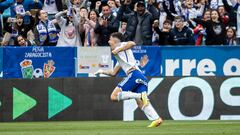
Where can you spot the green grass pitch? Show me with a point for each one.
(212, 127)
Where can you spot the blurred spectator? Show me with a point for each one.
(238, 20)
(139, 28)
(164, 33)
(200, 31)
(123, 27)
(106, 25)
(52, 7)
(152, 9)
(137, 24)
(186, 9)
(81, 3)
(45, 32)
(168, 8)
(191, 12)
(22, 6)
(21, 41)
(113, 7)
(155, 36)
(32, 4)
(82, 17)
(234, 13)
(83, 13)
(15, 26)
(97, 6)
(223, 14)
(17, 8)
(231, 36)
(215, 29)
(181, 34)
(1, 28)
(162, 14)
(4, 4)
(118, 3)
(69, 34)
(88, 28)
(77, 5)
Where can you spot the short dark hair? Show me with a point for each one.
(118, 35)
(83, 8)
(141, 3)
(167, 21)
(105, 5)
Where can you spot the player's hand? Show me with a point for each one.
(100, 71)
(115, 51)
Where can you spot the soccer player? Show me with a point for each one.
(135, 85)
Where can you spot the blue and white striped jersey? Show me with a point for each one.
(126, 59)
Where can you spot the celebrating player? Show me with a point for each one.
(135, 85)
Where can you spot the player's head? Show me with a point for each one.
(115, 38)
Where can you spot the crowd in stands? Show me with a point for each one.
(146, 22)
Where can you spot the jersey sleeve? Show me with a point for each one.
(121, 44)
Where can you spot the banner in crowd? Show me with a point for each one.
(1, 62)
(39, 62)
(200, 61)
(148, 60)
(90, 59)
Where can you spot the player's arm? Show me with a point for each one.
(124, 47)
(109, 72)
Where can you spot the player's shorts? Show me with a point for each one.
(135, 82)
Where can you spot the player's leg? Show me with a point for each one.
(118, 94)
(148, 108)
(123, 90)
(150, 112)
(114, 95)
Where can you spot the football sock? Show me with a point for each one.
(150, 111)
(125, 95)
